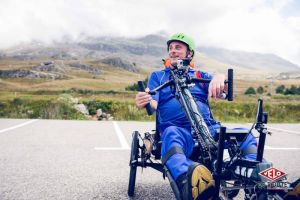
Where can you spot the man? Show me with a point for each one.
(193, 180)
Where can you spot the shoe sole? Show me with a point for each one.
(201, 181)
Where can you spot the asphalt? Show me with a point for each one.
(57, 159)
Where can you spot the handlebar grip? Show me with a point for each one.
(230, 85)
(260, 107)
(142, 89)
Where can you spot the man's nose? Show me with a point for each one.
(172, 51)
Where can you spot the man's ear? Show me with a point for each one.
(189, 54)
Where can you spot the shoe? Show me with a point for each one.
(197, 183)
(295, 193)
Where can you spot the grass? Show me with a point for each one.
(45, 109)
(121, 105)
(40, 98)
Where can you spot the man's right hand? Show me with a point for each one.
(142, 99)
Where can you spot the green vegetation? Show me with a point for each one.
(58, 108)
(56, 104)
(280, 89)
(135, 87)
(246, 111)
(114, 89)
(260, 90)
(293, 90)
(250, 91)
(45, 109)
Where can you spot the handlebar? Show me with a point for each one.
(230, 85)
(142, 89)
(229, 96)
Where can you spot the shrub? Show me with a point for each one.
(18, 101)
(250, 90)
(44, 109)
(280, 89)
(93, 106)
(135, 87)
(126, 110)
(260, 90)
(292, 91)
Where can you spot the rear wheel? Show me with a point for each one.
(133, 162)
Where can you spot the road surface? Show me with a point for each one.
(56, 159)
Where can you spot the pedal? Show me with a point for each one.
(148, 141)
(245, 168)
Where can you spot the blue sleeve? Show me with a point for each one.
(152, 84)
(206, 75)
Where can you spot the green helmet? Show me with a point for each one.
(181, 37)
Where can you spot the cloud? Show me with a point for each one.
(266, 26)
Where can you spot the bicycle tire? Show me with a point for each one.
(133, 163)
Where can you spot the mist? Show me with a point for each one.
(270, 26)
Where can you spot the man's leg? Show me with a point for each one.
(248, 146)
(194, 180)
(178, 163)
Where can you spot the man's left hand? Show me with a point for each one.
(217, 86)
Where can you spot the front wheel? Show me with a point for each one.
(133, 162)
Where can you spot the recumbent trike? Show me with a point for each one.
(230, 175)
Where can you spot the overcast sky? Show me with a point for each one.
(265, 26)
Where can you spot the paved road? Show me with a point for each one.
(55, 159)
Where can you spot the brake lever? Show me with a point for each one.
(152, 92)
(141, 88)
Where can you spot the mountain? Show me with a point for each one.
(136, 55)
(250, 60)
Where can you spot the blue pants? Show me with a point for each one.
(182, 137)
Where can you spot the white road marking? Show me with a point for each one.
(283, 130)
(125, 146)
(18, 126)
(281, 148)
(122, 139)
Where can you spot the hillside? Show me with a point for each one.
(104, 63)
(144, 50)
(250, 60)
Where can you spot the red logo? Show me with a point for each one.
(272, 173)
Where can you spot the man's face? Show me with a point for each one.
(178, 50)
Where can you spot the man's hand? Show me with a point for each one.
(217, 86)
(143, 98)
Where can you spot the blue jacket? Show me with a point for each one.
(169, 111)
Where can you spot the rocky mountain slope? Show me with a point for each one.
(131, 54)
